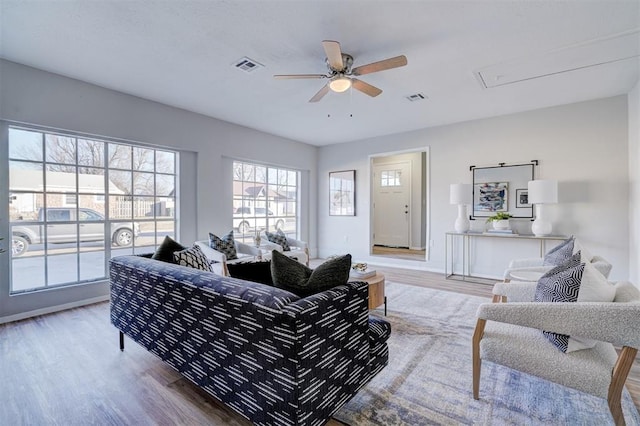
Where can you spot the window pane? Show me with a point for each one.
(165, 185)
(120, 156)
(120, 207)
(25, 145)
(25, 205)
(26, 176)
(61, 181)
(147, 237)
(62, 269)
(93, 203)
(143, 207)
(120, 182)
(91, 180)
(261, 174)
(143, 183)
(165, 162)
(92, 265)
(60, 149)
(165, 207)
(27, 273)
(165, 228)
(143, 159)
(91, 153)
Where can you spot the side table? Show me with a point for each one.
(376, 290)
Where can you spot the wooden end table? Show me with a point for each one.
(376, 290)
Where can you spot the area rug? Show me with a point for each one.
(428, 379)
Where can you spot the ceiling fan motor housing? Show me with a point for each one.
(347, 62)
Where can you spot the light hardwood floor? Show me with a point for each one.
(66, 368)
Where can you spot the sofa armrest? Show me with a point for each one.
(508, 272)
(516, 291)
(211, 253)
(268, 245)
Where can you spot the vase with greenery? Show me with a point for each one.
(500, 220)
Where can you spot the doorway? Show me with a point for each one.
(399, 205)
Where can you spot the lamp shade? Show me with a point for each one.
(460, 193)
(543, 191)
(340, 84)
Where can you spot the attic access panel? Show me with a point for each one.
(502, 188)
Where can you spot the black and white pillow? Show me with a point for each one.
(225, 245)
(573, 281)
(279, 238)
(192, 257)
(560, 253)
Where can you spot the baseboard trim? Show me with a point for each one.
(52, 309)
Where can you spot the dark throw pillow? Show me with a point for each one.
(560, 253)
(225, 245)
(166, 249)
(258, 272)
(192, 257)
(290, 275)
(279, 238)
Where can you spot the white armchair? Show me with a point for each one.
(536, 265)
(299, 248)
(509, 334)
(244, 251)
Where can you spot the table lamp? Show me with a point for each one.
(460, 194)
(542, 192)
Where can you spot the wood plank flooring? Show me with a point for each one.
(66, 368)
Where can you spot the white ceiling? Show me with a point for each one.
(181, 53)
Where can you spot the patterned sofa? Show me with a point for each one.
(271, 356)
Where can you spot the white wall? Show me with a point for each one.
(583, 146)
(37, 97)
(634, 184)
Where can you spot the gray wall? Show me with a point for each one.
(32, 96)
(584, 146)
(634, 182)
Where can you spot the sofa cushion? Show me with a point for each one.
(573, 281)
(379, 330)
(225, 245)
(192, 257)
(560, 253)
(288, 274)
(165, 251)
(279, 238)
(257, 272)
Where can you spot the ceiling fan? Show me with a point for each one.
(340, 74)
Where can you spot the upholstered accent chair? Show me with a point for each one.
(245, 253)
(537, 265)
(298, 248)
(510, 334)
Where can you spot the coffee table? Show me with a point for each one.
(376, 290)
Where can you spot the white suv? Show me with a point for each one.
(247, 219)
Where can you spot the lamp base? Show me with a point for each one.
(462, 223)
(541, 227)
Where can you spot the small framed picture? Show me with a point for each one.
(522, 198)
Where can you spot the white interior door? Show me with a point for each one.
(391, 204)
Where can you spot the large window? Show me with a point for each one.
(77, 202)
(264, 198)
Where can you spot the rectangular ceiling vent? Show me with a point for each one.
(247, 64)
(416, 97)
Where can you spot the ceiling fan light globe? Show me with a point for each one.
(340, 84)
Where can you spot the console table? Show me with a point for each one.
(466, 237)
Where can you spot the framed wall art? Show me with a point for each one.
(502, 188)
(342, 193)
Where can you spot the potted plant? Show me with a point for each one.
(500, 220)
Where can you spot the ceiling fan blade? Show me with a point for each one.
(292, 76)
(365, 88)
(320, 94)
(398, 61)
(334, 54)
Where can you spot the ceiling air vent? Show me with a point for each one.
(416, 97)
(247, 64)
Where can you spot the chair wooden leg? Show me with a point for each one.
(506, 280)
(306, 252)
(499, 299)
(477, 362)
(619, 376)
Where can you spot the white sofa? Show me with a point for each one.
(244, 251)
